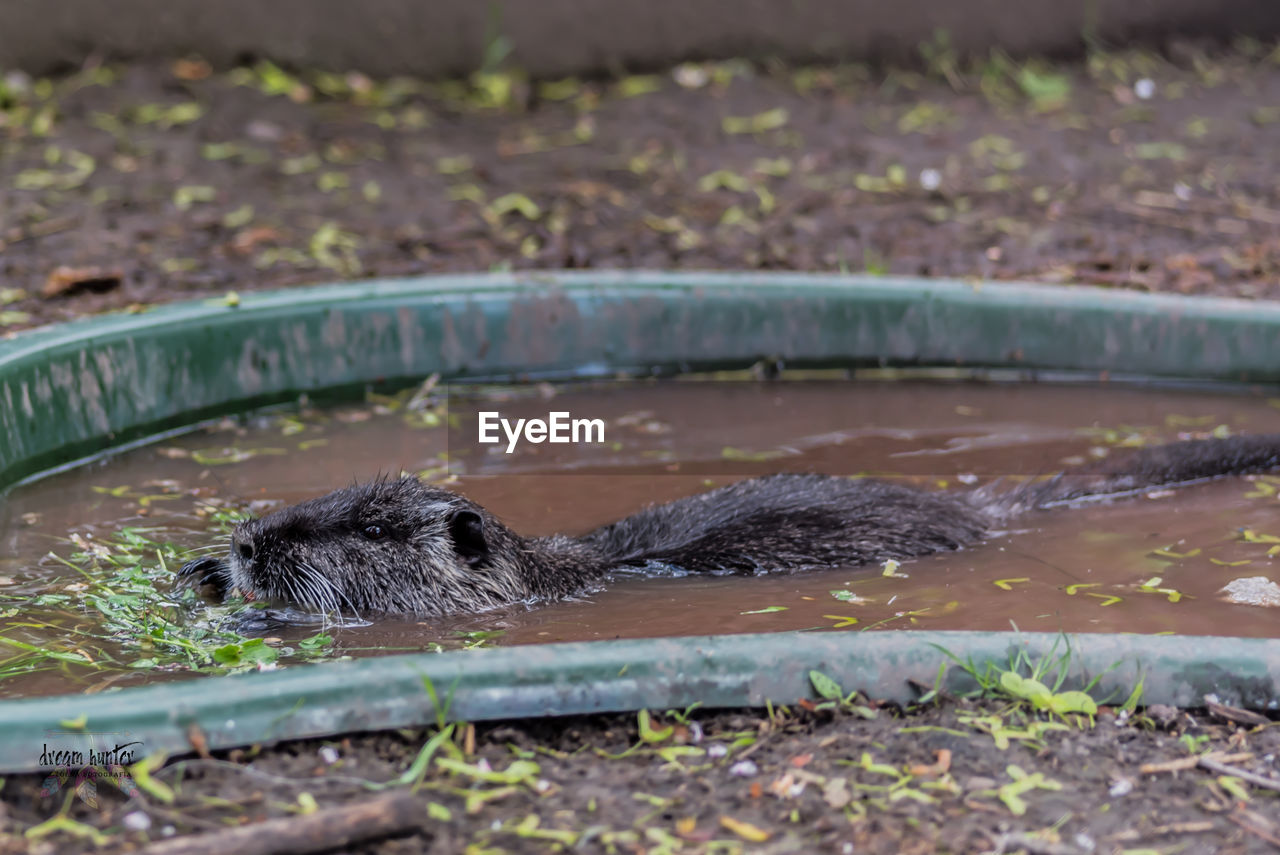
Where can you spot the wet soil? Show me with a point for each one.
(1137, 170)
(125, 186)
(927, 780)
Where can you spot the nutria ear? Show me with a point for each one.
(466, 528)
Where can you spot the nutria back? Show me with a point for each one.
(399, 546)
(791, 522)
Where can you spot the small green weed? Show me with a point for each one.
(1035, 683)
(835, 697)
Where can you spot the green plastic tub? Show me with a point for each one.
(81, 389)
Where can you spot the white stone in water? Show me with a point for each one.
(1252, 591)
(744, 769)
(1144, 88)
(930, 179)
(137, 821)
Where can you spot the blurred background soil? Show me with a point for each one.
(127, 185)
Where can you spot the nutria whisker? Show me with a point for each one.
(334, 592)
(317, 594)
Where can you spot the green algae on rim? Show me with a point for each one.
(82, 388)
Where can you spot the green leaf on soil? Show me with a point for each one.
(1072, 702)
(141, 771)
(647, 731)
(67, 825)
(188, 195)
(825, 686)
(769, 120)
(519, 772)
(515, 203)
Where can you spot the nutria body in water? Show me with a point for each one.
(403, 547)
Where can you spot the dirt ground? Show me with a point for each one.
(929, 780)
(122, 187)
(125, 186)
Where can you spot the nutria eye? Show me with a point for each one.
(375, 532)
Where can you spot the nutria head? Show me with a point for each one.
(388, 546)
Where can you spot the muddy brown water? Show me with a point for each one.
(1143, 565)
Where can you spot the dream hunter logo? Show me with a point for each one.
(105, 758)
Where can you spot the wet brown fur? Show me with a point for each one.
(403, 547)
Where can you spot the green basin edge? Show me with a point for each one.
(82, 388)
(614, 676)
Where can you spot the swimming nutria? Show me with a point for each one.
(403, 547)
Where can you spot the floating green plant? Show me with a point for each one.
(139, 621)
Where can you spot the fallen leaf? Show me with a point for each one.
(191, 69)
(72, 280)
(939, 768)
(782, 787)
(745, 830)
(199, 744)
(836, 793)
(247, 240)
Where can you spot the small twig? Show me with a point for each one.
(1190, 827)
(40, 229)
(1160, 217)
(1237, 715)
(334, 828)
(177, 817)
(198, 741)
(1183, 763)
(749, 750)
(1253, 829)
(1015, 841)
(1257, 213)
(973, 804)
(1243, 774)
